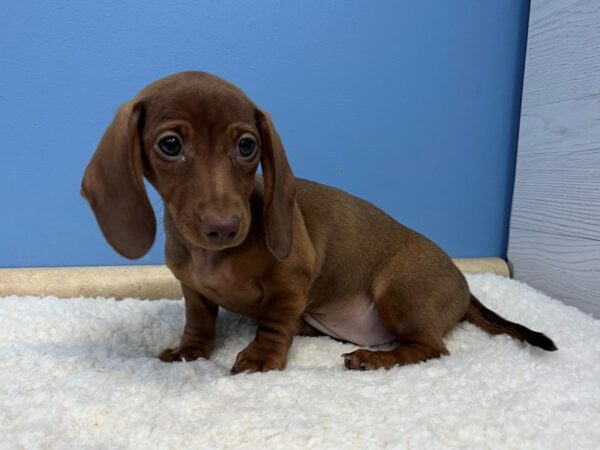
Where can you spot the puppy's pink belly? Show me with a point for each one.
(354, 320)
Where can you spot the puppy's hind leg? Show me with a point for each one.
(415, 350)
(418, 313)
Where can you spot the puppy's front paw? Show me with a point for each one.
(251, 359)
(181, 354)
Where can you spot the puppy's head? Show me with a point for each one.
(199, 141)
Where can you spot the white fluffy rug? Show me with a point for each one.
(81, 373)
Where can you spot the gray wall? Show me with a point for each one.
(554, 241)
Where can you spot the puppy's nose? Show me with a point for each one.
(220, 230)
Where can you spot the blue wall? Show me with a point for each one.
(411, 105)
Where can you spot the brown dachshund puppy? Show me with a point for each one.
(297, 256)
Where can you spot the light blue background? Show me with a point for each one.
(412, 105)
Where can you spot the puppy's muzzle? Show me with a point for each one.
(220, 230)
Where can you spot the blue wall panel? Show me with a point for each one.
(411, 105)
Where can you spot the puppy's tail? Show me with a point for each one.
(492, 323)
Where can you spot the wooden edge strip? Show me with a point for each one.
(144, 282)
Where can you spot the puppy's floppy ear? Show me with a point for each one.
(114, 187)
(279, 189)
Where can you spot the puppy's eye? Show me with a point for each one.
(246, 147)
(170, 146)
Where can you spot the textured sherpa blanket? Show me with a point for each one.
(82, 373)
